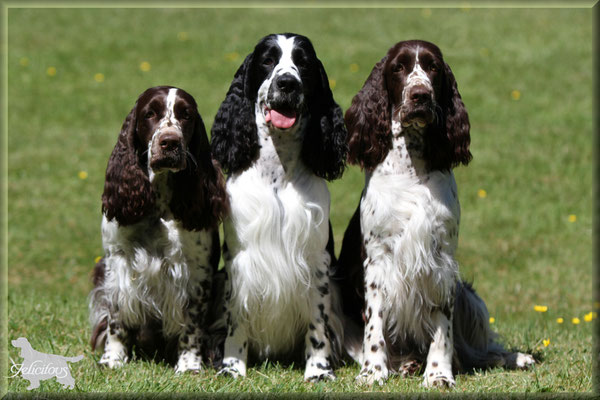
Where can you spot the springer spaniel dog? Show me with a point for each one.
(163, 199)
(280, 135)
(408, 128)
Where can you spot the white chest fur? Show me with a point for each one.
(150, 270)
(277, 231)
(409, 220)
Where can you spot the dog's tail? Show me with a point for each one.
(98, 307)
(73, 359)
(475, 343)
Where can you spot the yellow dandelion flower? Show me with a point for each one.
(572, 218)
(182, 36)
(482, 193)
(575, 321)
(546, 342)
(426, 12)
(51, 71)
(332, 83)
(82, 175)
(232, 56)
(492, 320)
(145, 66)
(353, 67)
(540, 308)
(559, 320)
(99, 77)
(588, 317)
(515, 94)
(24, 61)
(97, 259)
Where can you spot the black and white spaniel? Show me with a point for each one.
(280, 135)
(408, 128)
(163, 199)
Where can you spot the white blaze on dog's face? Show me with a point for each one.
(165, 123)
(412, 77)
(281, 96)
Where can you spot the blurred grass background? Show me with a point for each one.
(525, 76)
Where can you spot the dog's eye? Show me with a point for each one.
(149, 114)
(187, 115)
(398, 67)
(268, 61)
(433, 68)
(301, 63)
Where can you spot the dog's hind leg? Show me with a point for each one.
(475, 342)
(115, 350)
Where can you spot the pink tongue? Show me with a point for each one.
(279, 120)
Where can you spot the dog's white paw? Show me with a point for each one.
(230, 372)
(113, 360)
(318, 370)
(438, 376)
(524, 361)
(373, 374)
(188, 361)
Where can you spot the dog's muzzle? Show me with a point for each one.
(168, 151)
(284, 101)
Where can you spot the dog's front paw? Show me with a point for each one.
(371, 374)
(438, 376)
(233, 367)
(230, 372)
(318, 371)
(188, 361)
(113, 360)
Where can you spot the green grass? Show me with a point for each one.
(533, 157)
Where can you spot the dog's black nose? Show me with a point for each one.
(287, 83)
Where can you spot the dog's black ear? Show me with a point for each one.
(369, 121)
(128, 195)
(324, 148)
(234, 139)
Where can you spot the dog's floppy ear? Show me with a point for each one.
(199, 199)
(448, 141)
(369, 121)
(324, 148)
(128, 195)
(234, 137)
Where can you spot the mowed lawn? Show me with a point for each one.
(525, 76)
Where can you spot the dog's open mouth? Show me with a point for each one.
(281, 119)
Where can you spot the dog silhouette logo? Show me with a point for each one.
(38, 366)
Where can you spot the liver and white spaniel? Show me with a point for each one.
(408, 128)
(163, 199)
(280, 134)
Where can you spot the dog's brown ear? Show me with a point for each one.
(369, 121)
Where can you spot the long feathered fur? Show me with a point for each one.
(159, 235)
(401, 240)
(279, 247)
